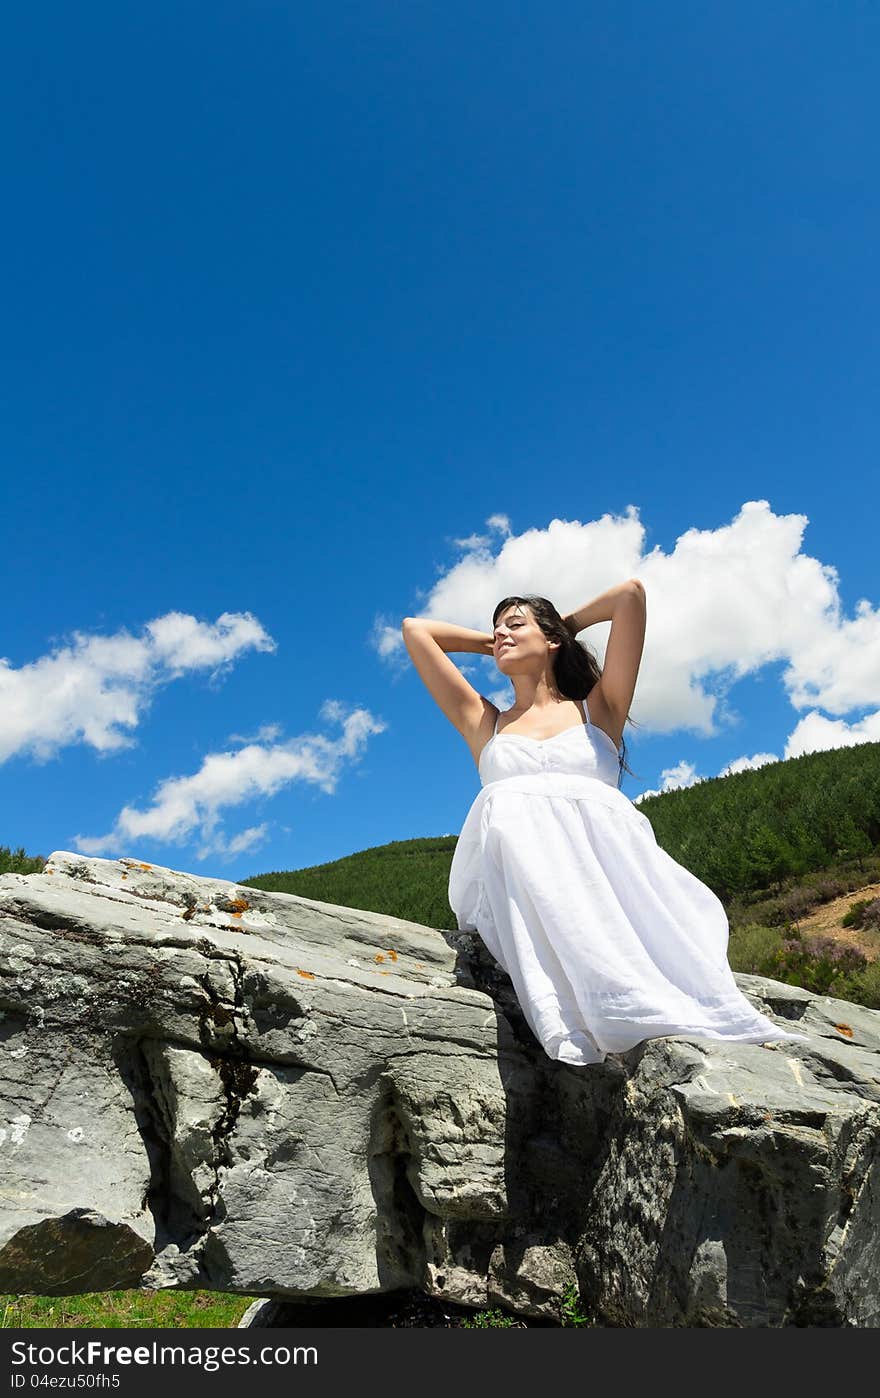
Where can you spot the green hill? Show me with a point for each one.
(751, 831)
(407, 878)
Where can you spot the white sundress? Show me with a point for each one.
(607, 939)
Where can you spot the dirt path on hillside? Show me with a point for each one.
(827, 921)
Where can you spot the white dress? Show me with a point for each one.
(606, 938)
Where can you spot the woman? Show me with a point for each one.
(607, 940)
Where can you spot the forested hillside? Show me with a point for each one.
(754, 829)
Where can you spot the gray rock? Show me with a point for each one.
(210, 1086)
(261, 1314)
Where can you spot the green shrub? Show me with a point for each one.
(829, 888)
(853, 915)
(752, 948)
(15, 861)
(795, 904)
(863, 988)
(865, 912)
(487, 1320)
(570, 1308)
(820, 964)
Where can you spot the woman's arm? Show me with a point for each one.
(602, 608)
(626, 608)
(450, 637)
(427, 641)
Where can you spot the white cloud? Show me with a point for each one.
(675, 778)
(559, 561)
(249, 839)
(722, 604)
(91, 688)
(748, 764)
(189, 806)
(180, 642)
(684, 774)
(816, 733)
(387, 641)
(266, 733)
(503, 697)
(498, 524)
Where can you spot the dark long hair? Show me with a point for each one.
(575, 667)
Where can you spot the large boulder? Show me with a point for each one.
(209, 1086)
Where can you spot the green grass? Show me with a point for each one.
(182, 1310)
(121, 1310)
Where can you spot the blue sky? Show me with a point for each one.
(317, 317)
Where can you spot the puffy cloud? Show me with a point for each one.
(93, 687)
(560, 561)
(180, 642)
(816, 733)
(672, 779)
(188, 806)
(722, 604)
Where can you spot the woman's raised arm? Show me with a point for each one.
(427, 641)
(450, 637)
(625, 606)
(601, 608)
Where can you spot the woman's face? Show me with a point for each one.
(518, 639)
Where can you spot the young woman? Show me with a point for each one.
(606, 938)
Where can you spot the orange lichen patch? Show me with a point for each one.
(306, 974)
(145, 866)
(125, 876)
(379, 956)
(235, 914)
(392, 953)
(239, 904)
(418, 965)
(844, 1029)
